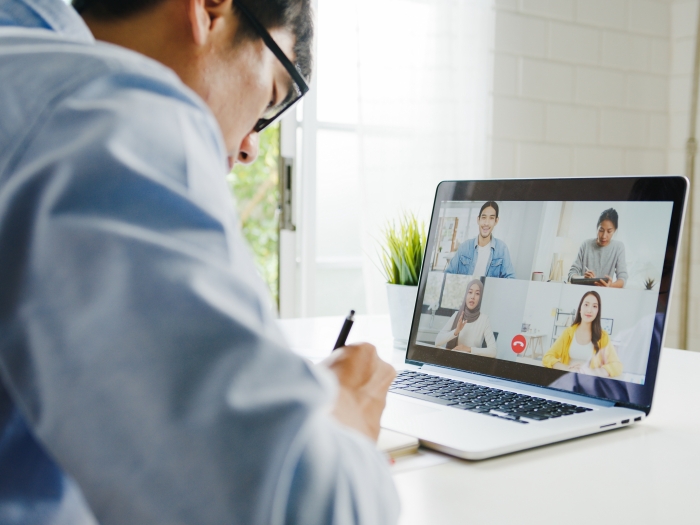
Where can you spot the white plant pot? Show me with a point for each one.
(402, 300)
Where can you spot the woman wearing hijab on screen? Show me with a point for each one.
(585, 347)
(468, 330)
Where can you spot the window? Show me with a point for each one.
(255, 188)
(400, 101)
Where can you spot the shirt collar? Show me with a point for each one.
(54, 15)
(476, 242)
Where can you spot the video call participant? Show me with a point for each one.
(484, 255)
(602, 256)
(585, 347)
(468, 328)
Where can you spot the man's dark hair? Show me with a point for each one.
(609, 215)
(489, 204)
(294, 15)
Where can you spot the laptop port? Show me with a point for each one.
(609, 425)
(638, 418)
(624, 421)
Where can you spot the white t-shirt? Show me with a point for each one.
(483, 254)
(580, 353)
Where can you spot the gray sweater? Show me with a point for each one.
(607, 260)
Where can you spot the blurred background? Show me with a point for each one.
(411, 92)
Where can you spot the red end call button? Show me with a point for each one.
(518, 344)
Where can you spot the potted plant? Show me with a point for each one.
(401, 256)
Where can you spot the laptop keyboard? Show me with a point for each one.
(481, 399)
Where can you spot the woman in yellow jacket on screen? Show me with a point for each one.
(585, 347)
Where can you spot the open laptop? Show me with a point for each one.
(506, 353)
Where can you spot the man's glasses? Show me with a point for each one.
(299, 86)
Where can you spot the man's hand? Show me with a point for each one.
(364, 382)
(589, 274)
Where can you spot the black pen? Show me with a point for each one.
(345, 330)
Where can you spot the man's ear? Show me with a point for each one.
(202, 14)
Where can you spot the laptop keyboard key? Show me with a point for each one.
(480, 399)
(423, 397)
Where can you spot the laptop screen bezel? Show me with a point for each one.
(645, 189)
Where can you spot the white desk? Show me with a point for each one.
(648, 473)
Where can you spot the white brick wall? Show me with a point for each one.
(573, 43)
(549, 8)
(520, 35)
(603, 13)
(596, 87)
(600, 87)
(651, 17)
(559, 128)
(546, 80)
(582, 87)
(682, 45)
(621, 50)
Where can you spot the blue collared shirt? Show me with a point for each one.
(144, 379)
(499, 265)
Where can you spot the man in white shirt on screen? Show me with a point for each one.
(484, 255)
(143, 379)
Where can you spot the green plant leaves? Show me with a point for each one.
(403, 250)
(256, 191)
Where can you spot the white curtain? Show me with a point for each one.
(407, 85)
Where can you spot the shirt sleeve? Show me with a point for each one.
(491, 349)
(447, 333)
(621, 265)
(607, 358)
(138, 342)
(558, 353)
(577, 266)
(508, 270)
(453, 266)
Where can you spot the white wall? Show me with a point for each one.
(684, 16)
(581, 87)
(504, 302)
(519, 227)
(597, 87)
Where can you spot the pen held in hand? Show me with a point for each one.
(345, 330)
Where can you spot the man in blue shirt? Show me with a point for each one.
(484, 255)
(142, 376)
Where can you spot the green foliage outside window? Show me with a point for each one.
(256, 191)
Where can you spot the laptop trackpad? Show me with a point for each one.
(398, 409)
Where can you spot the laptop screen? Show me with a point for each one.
(562, 293)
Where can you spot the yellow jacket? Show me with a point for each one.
(605, 358)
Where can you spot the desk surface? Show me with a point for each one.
(648, 473)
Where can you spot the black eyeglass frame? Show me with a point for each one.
(299, 82)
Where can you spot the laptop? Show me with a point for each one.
(505, 351)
